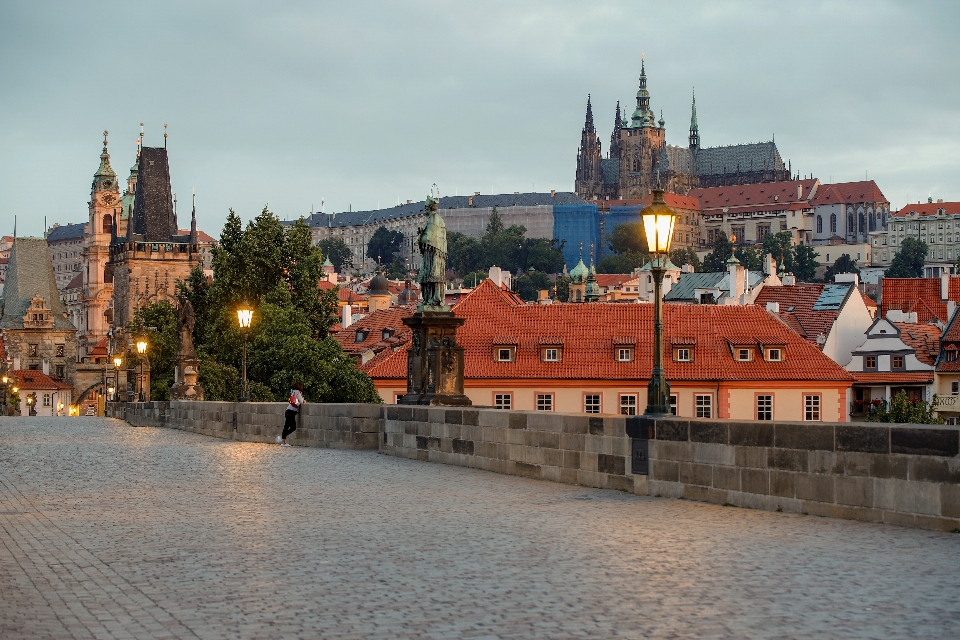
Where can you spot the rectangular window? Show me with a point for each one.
(544, 402)
(743, 355)
(870, 362)
(704, 404)
(46, 399)
(60, 371)
(60, 350)
(955, 387)
(591, 403)
(628, 405)
(811, 408)
(673, 403)
(504, 354)
(502, 400)
(551, 354)
(764, 407)
(624, 354)
(32, 349)
(774, 355)
(897, 362)
(683, 355)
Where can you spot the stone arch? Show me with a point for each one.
(107, 223)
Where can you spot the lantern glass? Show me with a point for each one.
(658, 228)
(141, 346)
(15, 389)
(245, 316)
(117, 362)
(6, 379)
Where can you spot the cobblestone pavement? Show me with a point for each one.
(110, 531)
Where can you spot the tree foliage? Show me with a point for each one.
(780, 246)
(804, 263)
(716, 260)
(338, 252)
(157, 322)
(908, 261)
(505, 247)
(628, 237)
(384, 244)
(903, 410)
(529, 284)
(622, 262)
(275, 269)
(843, 264)
(686, 255)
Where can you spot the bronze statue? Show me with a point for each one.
(432, 243)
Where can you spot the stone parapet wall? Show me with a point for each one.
(899, 474)
(335, 426)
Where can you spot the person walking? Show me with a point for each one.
(290, 415)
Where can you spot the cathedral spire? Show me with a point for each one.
(642, 115)
(588, 124)
(694, 130)
(615, 146)
(105, 170)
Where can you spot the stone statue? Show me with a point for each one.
(186, 320)
(432, 243)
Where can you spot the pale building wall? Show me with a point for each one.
(848, 331)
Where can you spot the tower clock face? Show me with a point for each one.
(106, 198)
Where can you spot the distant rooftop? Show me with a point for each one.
(66, 232)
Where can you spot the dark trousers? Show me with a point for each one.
(289, 423)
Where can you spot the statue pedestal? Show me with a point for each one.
(435, 360)
(186, 387)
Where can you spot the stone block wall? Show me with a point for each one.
(335, 426)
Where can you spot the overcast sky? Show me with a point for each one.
(362, 103)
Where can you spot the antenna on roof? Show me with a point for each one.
(164, 136)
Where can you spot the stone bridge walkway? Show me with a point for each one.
(109, 531)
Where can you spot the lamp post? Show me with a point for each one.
(6, 379)
(117, 361)
(141, 349)
(244, 317)
(658, 221)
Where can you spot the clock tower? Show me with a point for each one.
(104, 213)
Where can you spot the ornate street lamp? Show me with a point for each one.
(117, 362)
(245, 318)
(141, 349)
(658, 221)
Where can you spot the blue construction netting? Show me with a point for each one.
(576, 223)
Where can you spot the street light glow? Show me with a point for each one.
(245, 316)
(142, 345)
(658, 221)
(117, 361)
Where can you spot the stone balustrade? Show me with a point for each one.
(900, 474)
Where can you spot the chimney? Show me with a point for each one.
(773, 307)
(553, 193)
(736, 281)
(470, 201)
(769, 265)
(799, 192)
(944, 285)
(789, 280)
(409, 201)
(951, 309)
(347, 319)
(495, 275)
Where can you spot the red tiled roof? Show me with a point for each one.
(325, 285)
(201, 236)
(928, 209)
(749, 197)
(608, 280)
(796, 308)
(374, 324)
(589, 332)
(77, 282)
(887, 377)
(867, 300)
(348, 295)
(30, 380)
(100, 349)
(863, 191)
(918, 294)
(673, 200)
(924, 339)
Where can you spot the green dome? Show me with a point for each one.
(579, 273)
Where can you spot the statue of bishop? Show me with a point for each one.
(432, 243)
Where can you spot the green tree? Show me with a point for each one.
(750, 257)
(903, 410)
(562, 289)
(384, 244)
(464, 253)
(397, 270)
(780, 246)
(804, 262)
(908, 261)
(684, 256)
(622, 262)
(529, 284)
(158, 323)
(843, 264)
(628, 237)
(472, 279)
(716, 260)
(543, 254)
(338, 252)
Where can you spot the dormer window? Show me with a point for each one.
(897, 363)
(551, 354)
(870, 363)
(744, 355)
(386, 334)
(360, 336)
(624, 354)
(504, 354)
(774, 354)
(682, 354)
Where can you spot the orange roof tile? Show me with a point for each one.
(753, 197)
(918, 294)
(373, 325)
(796, 308)
(888, 377)
(589, 332)
(863, 191)
(100, 349)
(927, 209)
(924, 339)
(30, 380)
(201, 236)
(608, 280)
(673, 200)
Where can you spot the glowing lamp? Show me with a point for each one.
(117, 361)
(658, 222)
(142, 346)
(245, 316)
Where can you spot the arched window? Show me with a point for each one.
(873, 226)
(107, 275)
(863, 223)
(578, 295)
(819, 224)
(833, 223)
(108, 223)
(851, 227)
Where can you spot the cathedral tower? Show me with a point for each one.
(589, 181)
(694, 130)
(642, 142)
